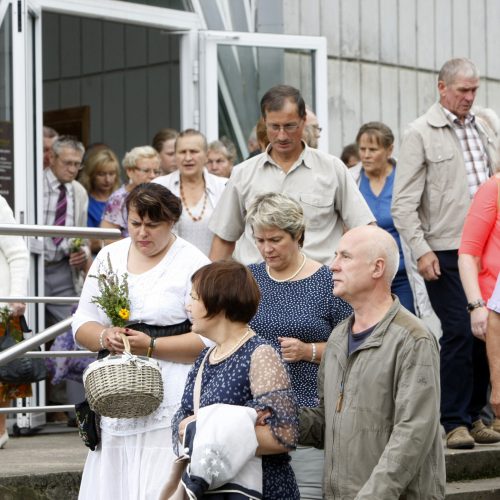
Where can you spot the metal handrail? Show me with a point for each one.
(59, 354)
(71, 231)
(43, 300)
(35, 341)
(36, 409)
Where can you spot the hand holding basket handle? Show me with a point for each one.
(124, 385)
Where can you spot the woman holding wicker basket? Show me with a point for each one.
(156, 268)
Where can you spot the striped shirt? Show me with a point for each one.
(51, 192)
(475, 157)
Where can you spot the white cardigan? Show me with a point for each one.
(14, 258)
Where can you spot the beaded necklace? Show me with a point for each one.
(193, 218)
(290, 277)
(233, 349)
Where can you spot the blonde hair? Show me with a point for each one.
(138, 153)
(91, 165)
(278, 210)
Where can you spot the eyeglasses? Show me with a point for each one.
(288, 128)
(147, 171)
(68, 163)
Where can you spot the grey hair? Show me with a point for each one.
(454, 68)
(67, 141)
(278, 210)
(138, 153)
(225, 147)
(49, 132)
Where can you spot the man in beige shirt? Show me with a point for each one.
(446, 154)
(318, 181)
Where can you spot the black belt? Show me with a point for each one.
(155, 331)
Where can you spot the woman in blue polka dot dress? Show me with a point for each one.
(297, 311)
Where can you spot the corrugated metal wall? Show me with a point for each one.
(383, 55)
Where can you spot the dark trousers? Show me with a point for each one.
(464, 366)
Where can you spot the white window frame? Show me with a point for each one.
(209, 100)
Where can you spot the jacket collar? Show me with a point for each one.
(376, 338)
(436, 116)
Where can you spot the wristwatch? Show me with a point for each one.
(474, 305)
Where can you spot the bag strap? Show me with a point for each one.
(197, 383)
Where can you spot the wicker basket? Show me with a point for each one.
(124, 386)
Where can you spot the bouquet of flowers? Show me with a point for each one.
(113, 298)
(6, 322)
(125, 386)
(75, 244)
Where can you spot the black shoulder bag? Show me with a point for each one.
(21, 370)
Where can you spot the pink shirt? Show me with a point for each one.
(481, 234)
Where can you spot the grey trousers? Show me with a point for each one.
(58, 283)
(307, 464)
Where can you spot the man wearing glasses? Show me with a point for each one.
(65, 203)
(318, 181)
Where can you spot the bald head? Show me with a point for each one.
(312, 130)
(367, 259)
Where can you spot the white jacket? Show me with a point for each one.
(14, 258)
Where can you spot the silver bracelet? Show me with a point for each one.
(101, 338)
(313, 357)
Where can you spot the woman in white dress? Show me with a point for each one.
(135, 453)
(198, 189)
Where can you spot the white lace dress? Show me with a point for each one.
(134, 457)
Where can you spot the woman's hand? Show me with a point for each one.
(17, 308)
(183, 424)
(478, 322)
(293, 350)
(139, 341)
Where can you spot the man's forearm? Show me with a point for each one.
(221, 249)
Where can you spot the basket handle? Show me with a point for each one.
(126, 343)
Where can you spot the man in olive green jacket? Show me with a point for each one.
(378, 418)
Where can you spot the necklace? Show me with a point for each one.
(233, 349)
(290, 277)
(193, 218)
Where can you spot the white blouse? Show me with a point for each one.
(14, 258)
(157, 297)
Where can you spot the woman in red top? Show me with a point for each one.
(479, 253)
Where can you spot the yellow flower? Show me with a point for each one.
(124, 314)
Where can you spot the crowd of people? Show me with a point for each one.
(287, 299)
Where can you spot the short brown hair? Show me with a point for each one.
(163, 135)
(155, 201)
(275, 98)
(379, 131)
(227, 287)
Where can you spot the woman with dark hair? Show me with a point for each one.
(164, 143)
(243, 370)
(134, 452)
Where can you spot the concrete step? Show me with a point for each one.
(480, 463)
(479, 489)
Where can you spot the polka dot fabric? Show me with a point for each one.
(304, 309)
(253, 376)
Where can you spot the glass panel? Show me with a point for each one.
(168, 4)
(6, 112)
(244, 77)
(125, 79)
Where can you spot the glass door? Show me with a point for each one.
(236, 69)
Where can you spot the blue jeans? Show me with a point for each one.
(402, 289)
(464, 366)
